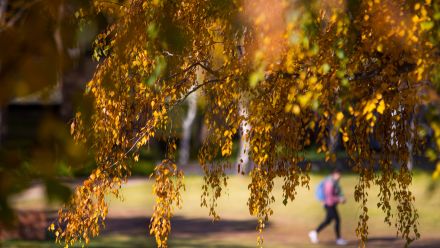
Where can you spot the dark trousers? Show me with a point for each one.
(331, 214)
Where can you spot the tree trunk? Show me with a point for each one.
(393, 140)
(57, 36)
(243, 154)
(410, 163)
(1, 127)
(333, 140)
(3, 5)
(185, 143)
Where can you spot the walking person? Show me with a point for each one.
(330, 193)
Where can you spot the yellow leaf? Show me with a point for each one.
(415, 18)
(226, 133)
(296, 110)
(305, 99)
(339, 116)
(378, 96)
(417, 6)
(379, 48)
(381, 107)
(436, 173)
(72, 128)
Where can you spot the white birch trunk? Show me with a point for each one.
(243, 153)
(185, 143)
(333, 139)
(409, 144)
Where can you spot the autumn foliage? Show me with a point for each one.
(304, 71)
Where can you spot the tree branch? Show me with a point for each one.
(192, 90)
(404, 68)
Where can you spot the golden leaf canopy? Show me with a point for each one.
(302, 71)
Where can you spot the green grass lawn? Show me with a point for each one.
(288, 227)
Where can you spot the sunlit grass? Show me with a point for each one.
(289, 224)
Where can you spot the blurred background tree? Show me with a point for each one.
(44, 63)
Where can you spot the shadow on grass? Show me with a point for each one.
(388, 241)
(135, 242)
(197, 227)
(125, 242)
(133, 232)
